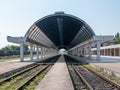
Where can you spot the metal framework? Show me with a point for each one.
(59, 30)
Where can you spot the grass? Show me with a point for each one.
(14, 83)
(36, 81)
(113, 78)
(10, 85)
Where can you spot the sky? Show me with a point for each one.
(16, 16)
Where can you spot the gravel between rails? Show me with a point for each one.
(95, 81)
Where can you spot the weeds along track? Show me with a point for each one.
(12, 74)
(22, 80)
(86, 79)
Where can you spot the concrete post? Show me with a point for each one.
(37, 52)
(72, 52)
(78, 51)
(107, 52)
(31, 52)
(75, 51)
(104, 52)
(110, 52)
(21, 51)
(81, 52)
(89, 50)
(44, 52)
(98, 50)
(85, 51)
(114, 51)
(40, 52)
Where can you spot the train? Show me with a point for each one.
(12, 52)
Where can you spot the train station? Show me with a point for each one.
(68, 56)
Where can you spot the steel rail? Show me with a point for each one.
(116, 85)
(83, 79)
(17, 74)
(30, 79)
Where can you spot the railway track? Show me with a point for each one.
(86, 79)
(18, 81)
(77, 82)
(31, 78)
(5, 79)
(22, 79)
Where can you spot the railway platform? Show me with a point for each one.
(57, 78)
(108, 64)
(12, 65)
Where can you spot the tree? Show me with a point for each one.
(11, 47)
(14, 47)
(117, 38)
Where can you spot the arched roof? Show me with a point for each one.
(59, 30)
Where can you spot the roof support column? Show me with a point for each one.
(104, 52)
(110, 52)
(78, 51)
(98, 50)
(73, 52)
(48, 52)
(21, 51)
(114, 51)
(85, 51)
(37, 52)
(31, 51)
(81, 52)
(45, 52)
(89, 50)
(60, 28)
(70, 52)
(42, 52)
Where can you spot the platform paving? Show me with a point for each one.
(57, 78)
(12, 65)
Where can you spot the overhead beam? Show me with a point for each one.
(16, 39)
(60, 28)
(94, 39)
